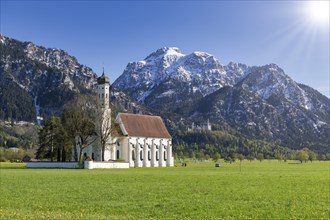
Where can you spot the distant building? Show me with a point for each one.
(204, 126)
(142, 140)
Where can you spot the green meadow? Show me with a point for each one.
(259, 190)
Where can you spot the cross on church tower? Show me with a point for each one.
(103, 85)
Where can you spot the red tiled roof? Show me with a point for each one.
(143, 125)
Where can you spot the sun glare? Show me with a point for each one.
(318, 12)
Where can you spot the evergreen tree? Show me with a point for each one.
(53, 141)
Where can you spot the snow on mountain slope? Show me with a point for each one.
(51, 76)
(269, 80)
(259, 101)
(201, 71)
(169, 74)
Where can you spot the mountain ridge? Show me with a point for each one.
(257, 102)
(47, 78)
(265, 103)
(51, 76)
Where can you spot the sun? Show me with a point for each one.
(318, 12)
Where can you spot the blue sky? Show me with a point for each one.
(113, 33)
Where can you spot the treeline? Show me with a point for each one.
(16, 104)
(18, 136)
(45, 82)
(17, 141)
(54, 142)
(76, 129)
(14, 154)
(202, 144)
(73, 128)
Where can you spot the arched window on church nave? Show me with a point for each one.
(133, 155)
(141, 155)
(118, 155)
(149, 155)
(157, 156)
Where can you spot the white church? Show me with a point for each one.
(144, 140)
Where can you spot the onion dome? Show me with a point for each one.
(103, 79)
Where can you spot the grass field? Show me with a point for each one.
(266, 190)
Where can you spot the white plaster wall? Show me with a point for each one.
(130, 151)
(88, 164)
(107, 152)
(106, 124)
(141, 143)
(134, 145)
(124, 149)
(148, 143)
(161, 153)
(103, 89)
(106, 165)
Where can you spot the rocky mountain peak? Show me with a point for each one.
(2, 39)
(270, 80)
(51, 76)
(165, 51)
(256, 100)
(200, 71)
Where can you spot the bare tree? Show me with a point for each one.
(103, 129)
(106, 128)
(79, 123)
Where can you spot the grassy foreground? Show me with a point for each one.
(266, 190)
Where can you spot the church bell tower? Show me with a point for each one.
(103, 86)
(103, 120)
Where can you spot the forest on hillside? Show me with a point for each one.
(203, 144)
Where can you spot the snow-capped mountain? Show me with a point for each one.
(270, 83)
(15, 54)
(62, 61)
(258, 101)
(270, 80)
(255, 101)
(275, 119)
(169, 74)
(38, 81)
